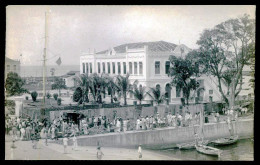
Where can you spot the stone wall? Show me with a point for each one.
(165, 137)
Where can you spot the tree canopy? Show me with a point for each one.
(14, 84)
(225, 50)
(182, 72)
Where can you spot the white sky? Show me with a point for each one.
(76, 29)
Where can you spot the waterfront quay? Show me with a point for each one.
(163, 138)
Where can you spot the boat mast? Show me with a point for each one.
(44, 60)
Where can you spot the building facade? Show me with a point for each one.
(12, 66)
(147, 62)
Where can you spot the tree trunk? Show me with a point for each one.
(125, 103)
(59, 92)
(111, 97)
(232, 95)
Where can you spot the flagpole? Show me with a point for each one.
(44, 60)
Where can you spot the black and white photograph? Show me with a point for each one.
(130, 82)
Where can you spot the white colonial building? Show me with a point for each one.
(147, 62)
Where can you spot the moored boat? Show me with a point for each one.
(208, 150)
(225, 141)
(190, 145)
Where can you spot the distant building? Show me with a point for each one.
(12, 66)
(147, 62)
(70, 78)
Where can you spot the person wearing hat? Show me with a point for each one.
(140, 152)
(99, 153)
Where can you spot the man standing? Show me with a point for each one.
(140, 152)
(65, 143)
(99, 153)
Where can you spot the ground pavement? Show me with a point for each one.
(53, 151)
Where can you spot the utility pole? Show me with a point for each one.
(44, 60)
(44, 68)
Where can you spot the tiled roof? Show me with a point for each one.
(152, 46)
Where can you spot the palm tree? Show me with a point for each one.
(110, 83)
(59, 84)
(155, 94)
(96, 86)
(138, 92)
(84, 81)
(123, 85)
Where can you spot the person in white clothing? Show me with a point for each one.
(65, 144)
(75, 143)
(140, 152)
(138, 124)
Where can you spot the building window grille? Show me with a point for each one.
(108, 67)
(90, 67)
(114, 67)
(124, 67)
(157, 67)
(130, 68)
(98, 67)
(167, 67)
(104, 67)
(140, 68)
(135, 67)
(87, 67)
(119, 68)
(83, 64)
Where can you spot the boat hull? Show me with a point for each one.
(191, 145)
(225, 141)
(208, 150)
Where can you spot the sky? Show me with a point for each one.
(73, 30)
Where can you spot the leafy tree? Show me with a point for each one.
(84, 84)
(182, 71)
(14, 84)
(111, 85)
(48, 95)
(77, 95)
(123, 85)
(138, 92)
(95, 86)
(55, 96)
(34, 95)
(227, 48)
(59, 101)
(156, 95)
(59, 84)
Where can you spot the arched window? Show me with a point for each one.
(98, 67)
(135, 67)
(90, 67)
(157, 87)
(87, 67)
(104, 67)
(167, 67)
(83, 65)
(157, 67)
(119, 67)
(130, 68)
(140, 68)
(124, 67)
(108, 67)
(114, 67)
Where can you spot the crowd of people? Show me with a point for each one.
(27, 129)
